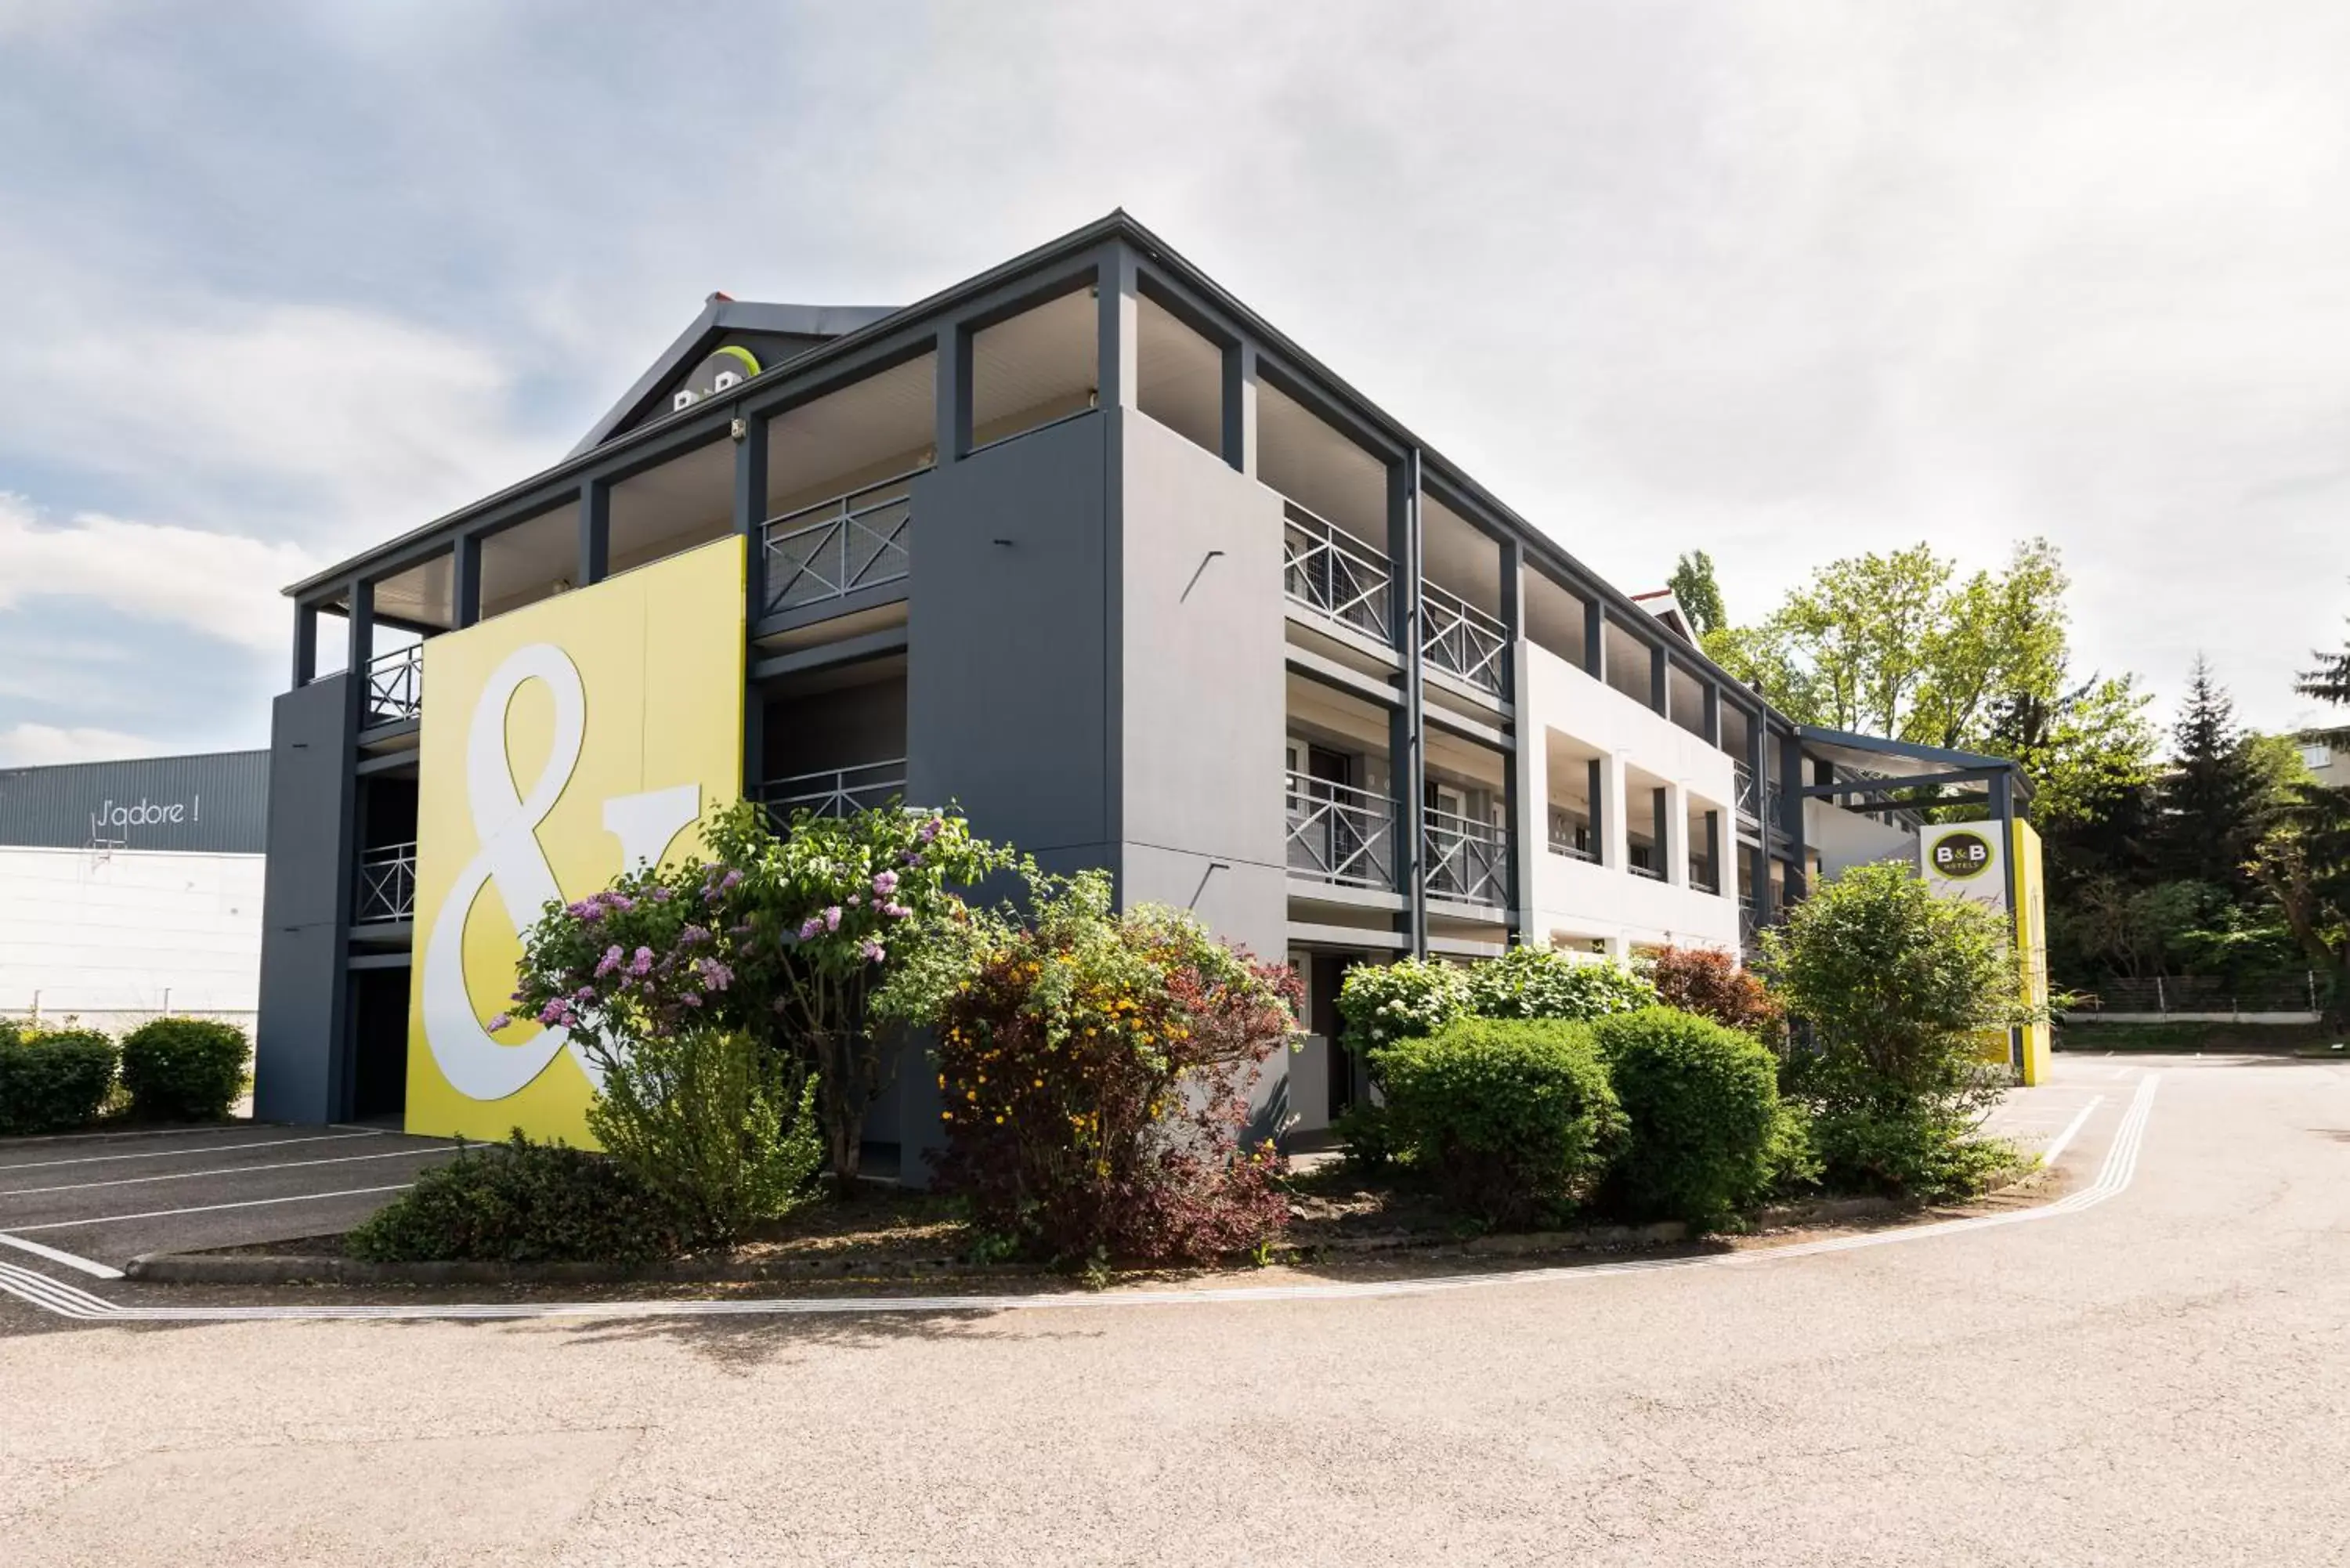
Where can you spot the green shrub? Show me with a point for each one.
(1702, 1102)
(1413, 999)
(1531, 982)
(1897, 989)
(54, 1081)
(722, 1132)
(183, 1069)
(520, 1202)
(1513, 1120)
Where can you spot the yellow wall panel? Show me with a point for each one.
(561, 743)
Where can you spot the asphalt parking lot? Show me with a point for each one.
(104, 1199)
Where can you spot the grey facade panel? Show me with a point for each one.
(298, 1055)
(1007, 689)
(213, 804)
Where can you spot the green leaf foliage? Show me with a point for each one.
(721, 1131)
(54, 1081)
(1513, 1120)
(520, 1202)
(1702, 1103)
(1384, 1002)
(185, 1069)
(1532, 981)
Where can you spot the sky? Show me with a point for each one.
(1781, 281)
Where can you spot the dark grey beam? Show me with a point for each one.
(306, 644)
(951, 435)
(750, 504)
(1710, 722)
(1660, 680)
(465, 581)
(1595, 639)
(595, 532)
(1840, 788)
(1240, 408)
(361, 627)
(831, 655)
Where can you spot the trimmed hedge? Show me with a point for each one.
(1703, 1104)
(53, 1082)
(520, 1202)
(183, 1069)
(1513, 1120)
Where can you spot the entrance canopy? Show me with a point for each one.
(1869, 772)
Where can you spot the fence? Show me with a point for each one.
(2277, 999)
(118, 1020)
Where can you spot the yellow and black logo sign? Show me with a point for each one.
(1961, 855)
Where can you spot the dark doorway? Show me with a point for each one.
(380, 1043)
(1329, 972)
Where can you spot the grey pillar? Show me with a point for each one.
(1240, 408)
(1529, 833)
(950, 432)
(1791, 812)
(750, 511)
(1410, 763)
(595, 532)
(306, 644)
(1595, 639)
(1661, 816)
(1711, 720)
(465, 580)
(361, 627)
(1596, 796)
(1660, 680)
(1115, 383)
(1714, 868)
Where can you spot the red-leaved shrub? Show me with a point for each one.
(1711, 984)
(1096, 1068)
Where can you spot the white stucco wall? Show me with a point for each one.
(116, 937)
(1573, 899)
(1846, 839)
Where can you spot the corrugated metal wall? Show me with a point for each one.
(214, 803)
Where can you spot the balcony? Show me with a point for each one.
(1335, 575)
(1462, 641)
(395, 687)
(1571, 836)
(835, 792)
(838, 548)
(387, 886)
(1340, 834)
(1467, 860)
(1748, 801)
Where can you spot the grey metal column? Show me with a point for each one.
(1595, 639)
(1710, 719)
(1523, 845)
(1790, 807)
(1240, 408)
(595, 532)
(361, 597)
(2002, 791)
(306, 644)
(950, 431)
(1408, 761)
(1115, 383)
(1660, 680)
(750, 501)
(465, 581)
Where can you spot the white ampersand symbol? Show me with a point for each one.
(507, 826)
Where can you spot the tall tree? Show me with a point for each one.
(1693, 586)
(2303, 860)
(1899, 645)
(2213, 803)
(2090, 754)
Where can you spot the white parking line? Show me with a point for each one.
(54, 1256)
(2113, 1177)
(228, 1170)
(208, 1208)
(168, 1153)
(2048, 1155)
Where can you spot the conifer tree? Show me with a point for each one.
(2212, 805)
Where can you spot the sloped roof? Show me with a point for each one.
(721, 316)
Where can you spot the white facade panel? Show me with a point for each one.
(1844, 839)
(115, 937)
(1570, 900)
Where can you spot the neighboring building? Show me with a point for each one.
(1081, 544)
(132, 889)
(2328, 762)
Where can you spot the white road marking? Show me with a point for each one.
(54, 1256)
(71, 1301)
(2048, 1155)
(7, 1193)
(207, 1209)
(168, 1153)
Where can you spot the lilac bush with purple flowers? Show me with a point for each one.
(780, 937)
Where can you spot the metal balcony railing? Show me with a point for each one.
(1332, 572)
(835, 792)
(1653, 873)
(1703, 880)
(1463, 639)
(1571, 836)
(1747, 802)
(1750, 923)
(395, 687)
(387, 885)
(1340, 834)
(835, 547)
(1467, 860)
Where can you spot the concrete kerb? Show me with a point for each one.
(277, 1269)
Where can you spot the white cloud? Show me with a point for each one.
(221, 584)
(32, 745)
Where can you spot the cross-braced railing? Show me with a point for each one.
(1748, 801)
(1340, 834)
(1463, 639)
(387, 886)
(835, 792)
(1467, 860)
(835, 548)
(1330, 571)
(395, 686)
